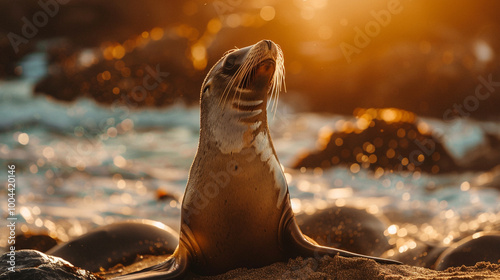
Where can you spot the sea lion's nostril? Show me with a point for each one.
(269, 43)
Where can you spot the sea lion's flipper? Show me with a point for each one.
(175, 267)
(300, 245)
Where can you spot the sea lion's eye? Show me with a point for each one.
(206, 88)
(230, 61)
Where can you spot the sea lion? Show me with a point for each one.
(236, 210)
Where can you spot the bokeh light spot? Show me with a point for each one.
(198, 52)
(48, 152)
(106, 75)
(267, 13)
(214, 25)
(157, 33)
(465, 186)
(23, 138)
(390, 153)
(339, 141)
(483, 51)
(34, 169)
(421, 157)
(118, 52)
(119, 161)
(355, 168)
(233, 20)
(393, 229)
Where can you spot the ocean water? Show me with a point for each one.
(81, 165)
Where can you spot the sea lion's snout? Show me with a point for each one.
(262, 64)
(269, 43)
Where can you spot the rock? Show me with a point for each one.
(391, 139)
(104, 247)
(480, 247)
(31, 264)
(423, 255)
(39, 242)
(346, 228)
(152, 74)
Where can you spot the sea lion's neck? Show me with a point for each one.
(235, 125)
(240, 132)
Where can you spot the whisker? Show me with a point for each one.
(278, 82)
(241, 79)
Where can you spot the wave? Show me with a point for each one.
(20, 109)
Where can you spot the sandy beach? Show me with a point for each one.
(338, 268)
(38, 265)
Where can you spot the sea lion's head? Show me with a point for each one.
(235, 92)
(251, 73)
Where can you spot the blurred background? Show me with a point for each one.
(422, 56)
(390, 104)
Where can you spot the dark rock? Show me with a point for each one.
(480, 247)
(37, 242)
(346, 228)
(31, 264)
(423, 255)
(118, 243)
(88, 23)
(151, 75)
(390, 139)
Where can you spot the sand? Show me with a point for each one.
(339, 268)
(32, 264)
